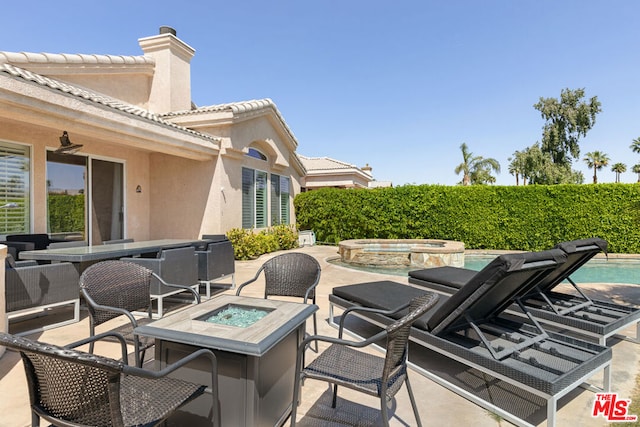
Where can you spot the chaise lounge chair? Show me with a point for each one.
(471, 328)
(567, 312)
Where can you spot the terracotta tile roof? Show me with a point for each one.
(95, 97)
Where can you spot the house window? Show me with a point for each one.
(256, 154)
(279, 199)
(254, 198)
(15, 164)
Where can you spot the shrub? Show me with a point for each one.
(247, 244)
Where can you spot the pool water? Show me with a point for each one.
(595, 271)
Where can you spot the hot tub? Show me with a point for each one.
(393, 253)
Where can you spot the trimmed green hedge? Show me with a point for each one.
(533, 217)
(66, 213)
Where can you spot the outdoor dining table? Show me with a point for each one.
(83, 256)
(256, 357)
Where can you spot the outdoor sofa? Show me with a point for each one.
(216, 261)
(508, 354)
(567, 312)
(32, 289)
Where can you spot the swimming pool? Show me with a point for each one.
(597, 270)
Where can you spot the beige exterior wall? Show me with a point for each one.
(190, 184)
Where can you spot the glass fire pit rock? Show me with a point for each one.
(241, 316)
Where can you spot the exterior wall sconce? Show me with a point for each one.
(138, 189)
(66, 146)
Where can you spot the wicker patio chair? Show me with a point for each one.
(292, 275)
(115, 288)
(68, 387)
(342, 364)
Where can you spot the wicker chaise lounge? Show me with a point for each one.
(471, 328)
(574, 312)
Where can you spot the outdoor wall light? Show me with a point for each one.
(138, 189)
(66, 146)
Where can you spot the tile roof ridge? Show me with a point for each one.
(97, 98)
(44, 58)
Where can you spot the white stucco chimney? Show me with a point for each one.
(171, 86)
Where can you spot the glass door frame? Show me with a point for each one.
(89, 192)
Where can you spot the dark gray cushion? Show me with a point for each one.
(494, 288)
(453, 277)
(386, 295)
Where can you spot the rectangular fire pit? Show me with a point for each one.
(255, 341)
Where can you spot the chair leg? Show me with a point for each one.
(296, 390)
(315, 331)
(335, 396)
(35, 419)
(92, 332)
(413, 402)
(384, 410)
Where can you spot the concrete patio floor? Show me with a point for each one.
(437, 405)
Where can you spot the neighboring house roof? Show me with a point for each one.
(325, 164)
(328, 172)
(96, 98)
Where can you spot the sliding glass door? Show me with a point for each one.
(85, 198)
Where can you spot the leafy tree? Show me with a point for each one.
(539, 168)
(596, 160)
(618, 168)
(476, 169)
(635, 145)
(567, 120)
(636, 169)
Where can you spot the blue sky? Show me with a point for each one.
(398, 85)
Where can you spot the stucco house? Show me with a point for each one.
(327, 172)
(148, 162)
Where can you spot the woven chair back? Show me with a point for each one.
(291, 274)
(116, 284)
(397, 339)
(61, 381)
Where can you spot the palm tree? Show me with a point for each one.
(596, 160)
(618, 168)
(517, 167)
(476, 169)
(636, 169)
(635, 145)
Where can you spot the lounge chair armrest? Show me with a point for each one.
(119, 337)
(368, 310)
(27, 263)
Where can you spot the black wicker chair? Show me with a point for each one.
(115, 288)
(341, 364)
(292, 275)
(68, 387)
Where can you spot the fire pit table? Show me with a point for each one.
(255, 341)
